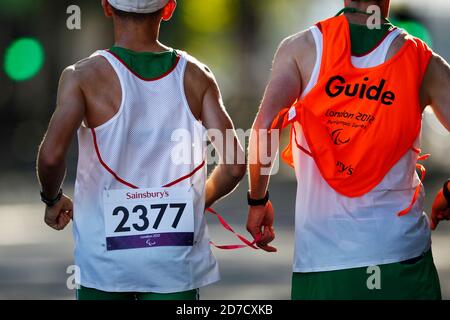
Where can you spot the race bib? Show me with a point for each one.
(148, 218)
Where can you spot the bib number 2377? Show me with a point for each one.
(147, 218)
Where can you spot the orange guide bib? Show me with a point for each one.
(359, 122)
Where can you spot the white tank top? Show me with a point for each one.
(135, 147)
(334, 232)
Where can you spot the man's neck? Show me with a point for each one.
(357, 18)
(364, 6)
(139, 37)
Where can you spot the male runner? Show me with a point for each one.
(357, 98)
(138, 211)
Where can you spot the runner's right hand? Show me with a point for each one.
(59, 216)
(440, 210)
(260, 225)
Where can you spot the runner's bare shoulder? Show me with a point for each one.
(196, 70)
(302, 41)
(198, 78)
(300, 48)
(92, 71)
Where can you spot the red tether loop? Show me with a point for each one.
(240, 237)
(423, 173)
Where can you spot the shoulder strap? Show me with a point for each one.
(336, 45)
(387, 42)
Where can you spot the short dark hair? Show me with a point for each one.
(138, 17)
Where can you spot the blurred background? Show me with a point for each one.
(237, 39)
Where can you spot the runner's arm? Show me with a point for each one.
(69, 113)
(231, 169)
(436, 86)
(283, 89)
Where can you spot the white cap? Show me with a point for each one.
(138, 6)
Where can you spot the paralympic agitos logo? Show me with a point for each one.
(337, 138)
(337, 86)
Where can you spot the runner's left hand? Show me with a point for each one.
(440, 210)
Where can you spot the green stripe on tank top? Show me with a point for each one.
(147, 64)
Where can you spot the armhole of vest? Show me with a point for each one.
(183, 66)
(318, 40)
(389, 40)
(423, 73)
(418, 142)
(427, 55)
(116, 69)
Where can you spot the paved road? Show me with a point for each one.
(33, 258)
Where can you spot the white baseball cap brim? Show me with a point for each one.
(138, 6)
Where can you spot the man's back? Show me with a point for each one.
(134, 150)
(352, 225)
